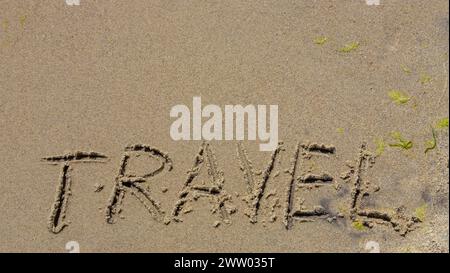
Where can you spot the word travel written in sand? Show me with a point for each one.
(206, 180)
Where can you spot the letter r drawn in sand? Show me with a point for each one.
(127, 182)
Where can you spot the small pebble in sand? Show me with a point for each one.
(164, 190)
(331, 219)
(345, 175)
(98, 187)
(350, 164)
(273, 218)
(216, 224)
(166, 220)
(187, 210)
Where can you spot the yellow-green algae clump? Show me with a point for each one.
(398, 96)
(381, 145)
(401, 142)
(442, 123)
(350, 47)
(425, 79)
(320, 40)
(358, 225)
(421, 212)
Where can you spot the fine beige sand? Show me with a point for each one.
(101, 78)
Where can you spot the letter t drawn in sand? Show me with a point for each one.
(56, 221)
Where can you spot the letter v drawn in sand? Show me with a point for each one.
(255, 187)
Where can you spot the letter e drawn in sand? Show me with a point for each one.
(308, 180)
(126, 182)
(56, 221)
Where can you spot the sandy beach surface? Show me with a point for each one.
(86, 158)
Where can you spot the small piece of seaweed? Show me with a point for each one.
(22, 20)
(431, 144)
(421, 212)
(398, 96)
(406, 69)
(5, 25)
(358, 225)
(442, 123)
(320, 40)
(401, 142)
(350, 47)
(380, 146)
(425, 78)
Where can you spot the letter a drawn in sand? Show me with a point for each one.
(213, 189)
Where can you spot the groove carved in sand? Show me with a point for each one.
(370, 217)
(125, 183)
(205, 159)
(211, 187)
(57, 218)
(307, 180)
(255, 187)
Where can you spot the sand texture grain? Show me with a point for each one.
(86, 155)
